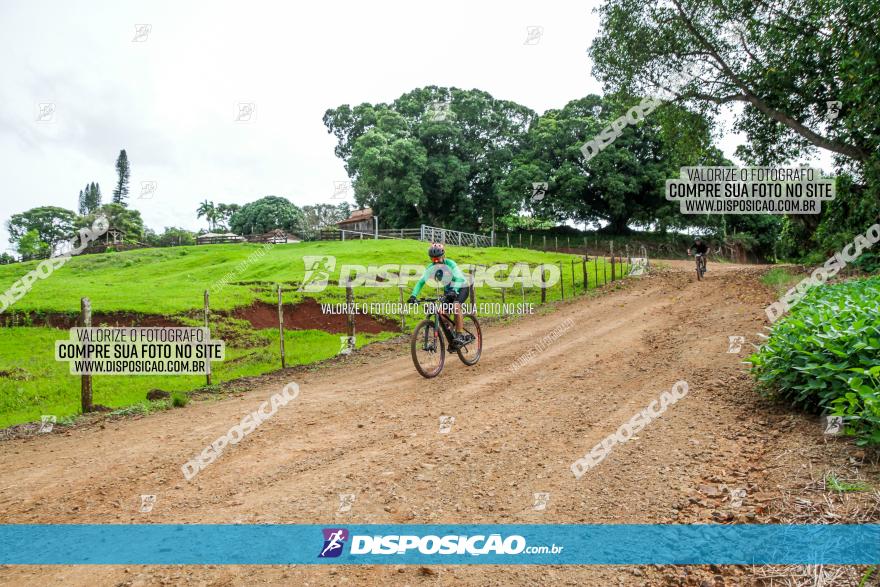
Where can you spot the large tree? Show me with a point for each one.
(623, 183)
(50, 224)
(805, 71)
(266, 214)
(435, 155)
(123, 171)
(784, 60)
(120, 217)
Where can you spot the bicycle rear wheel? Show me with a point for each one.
(470, 353)
(428, 350)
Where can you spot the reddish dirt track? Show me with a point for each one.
(367, 425)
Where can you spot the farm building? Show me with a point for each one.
(359, 221)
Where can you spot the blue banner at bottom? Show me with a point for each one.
(490, 544)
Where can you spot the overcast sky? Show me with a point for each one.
(168, 94)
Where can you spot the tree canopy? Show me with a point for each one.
(127, 220)
(266, 214)
(623, 183)
(805, 71)
(47, 224)
(435, 155)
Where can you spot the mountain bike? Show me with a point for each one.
(434, 335)
(701, 265)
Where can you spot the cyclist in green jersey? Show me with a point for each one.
(455, 287)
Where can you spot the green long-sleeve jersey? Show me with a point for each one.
(458, 279)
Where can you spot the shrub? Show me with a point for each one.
(179, 399)
(826, 356)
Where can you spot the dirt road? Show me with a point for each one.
(368, 426)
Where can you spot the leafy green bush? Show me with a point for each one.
(826, 356)
(869, 262)
(179, 399)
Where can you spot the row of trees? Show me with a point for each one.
(464, 159)
(39, 232)
(269, 213)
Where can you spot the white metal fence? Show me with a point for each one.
(435, 234)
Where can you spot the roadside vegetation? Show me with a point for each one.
(825, 356)
(33, 383)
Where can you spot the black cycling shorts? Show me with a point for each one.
(461, 296)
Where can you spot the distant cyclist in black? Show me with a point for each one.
(700, 247)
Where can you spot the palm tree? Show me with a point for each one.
(209, 211)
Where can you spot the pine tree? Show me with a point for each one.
(89, 198)
(120, 192)
(95, 197)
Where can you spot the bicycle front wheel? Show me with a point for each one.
(428, 350)
(470, 353)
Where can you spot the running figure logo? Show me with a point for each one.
(318, 270)
(334, 540)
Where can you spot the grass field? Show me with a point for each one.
(32, 383)
(171, 282)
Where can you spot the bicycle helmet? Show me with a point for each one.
(436, 250)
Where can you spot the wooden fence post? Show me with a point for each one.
(543, 286)
(207, 359)
(584, 268)
(349, 308)
(402, 311)
(557, 243)
(573, 288)
(530, 240)
(613, 276)
(472, 294)
(281, 327)
(596, 271)
(86, 386)
(520, 239)
(561, 281)
(508, 239)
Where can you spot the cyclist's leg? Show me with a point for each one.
(459, 313)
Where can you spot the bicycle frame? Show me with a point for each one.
(443, 324)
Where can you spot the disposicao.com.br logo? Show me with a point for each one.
(320, 271)
(392, 544)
